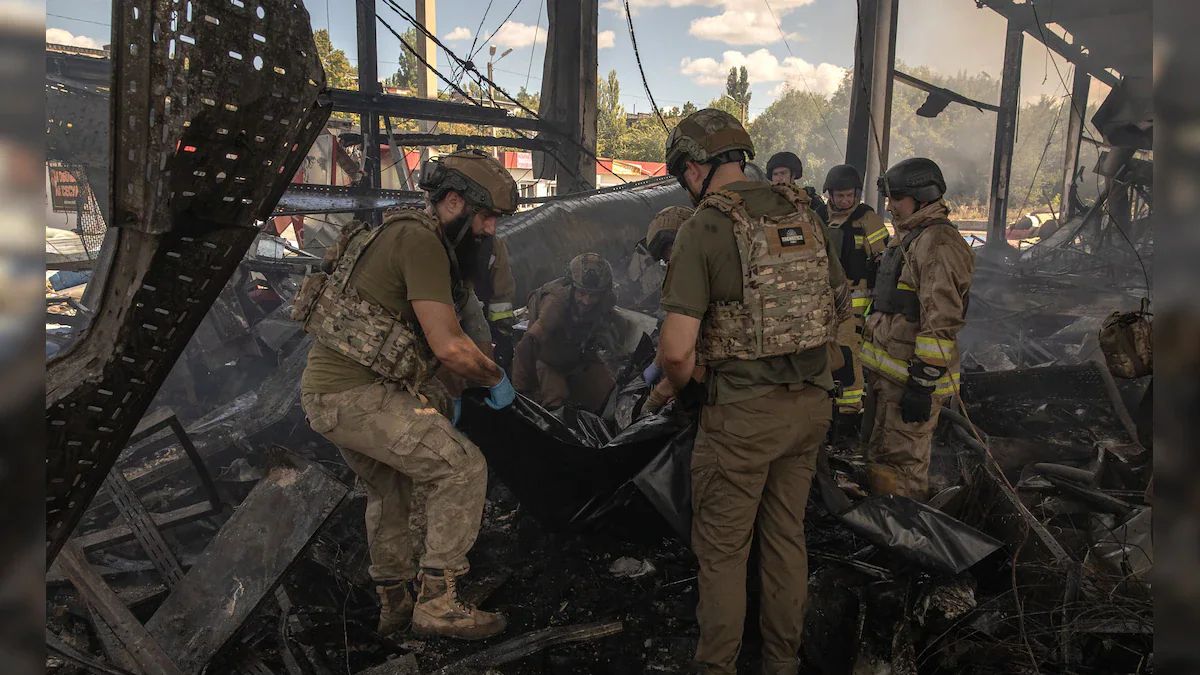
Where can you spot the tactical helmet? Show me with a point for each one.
(788, 160)
(708, 135)
(842, 177)
(918, 177)
(669, 219)
(590, 272)
(475, 175)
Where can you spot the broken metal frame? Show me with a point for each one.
(942, 91)
(187, 194)
(1006, 135)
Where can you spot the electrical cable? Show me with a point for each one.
(536, 25)
(783, 36)
(471, 55)
(638, 57)
(484, 79)
(1038, 167)
(475, 37)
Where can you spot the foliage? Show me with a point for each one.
(737, 88)
(407, 71)
(339, 74)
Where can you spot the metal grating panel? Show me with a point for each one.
(216, 104)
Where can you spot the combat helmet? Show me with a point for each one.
(707, 136)
(842, 177)
(918, 177)
(788, 160)
(474, 174)
(667, 220)
(590, 272)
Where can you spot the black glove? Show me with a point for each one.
(693, 395)
(917, 403)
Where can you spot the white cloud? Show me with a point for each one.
(59, 36)
(737, 27)
(515, 34)
(459, 34)
(763, 67)
(605, 39)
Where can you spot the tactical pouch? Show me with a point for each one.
(1126, 340)
(306, 297)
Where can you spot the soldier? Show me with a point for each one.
(752, 297)
(785, 168)
(918, 306)
(859, 236)
(650, 256)
(383, 316)
(570, 322)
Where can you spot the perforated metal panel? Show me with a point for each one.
(215, 103)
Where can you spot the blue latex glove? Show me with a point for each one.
(457, 412)
(652, 373)
(501, 395)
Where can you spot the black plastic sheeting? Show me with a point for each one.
(542, 241)
(571, 475)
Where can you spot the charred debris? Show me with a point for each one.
(196, 524)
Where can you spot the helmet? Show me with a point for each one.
(918, 177)
(788, 160)
(590, 272)
(669, 219)
(707, 135)
(473, 173)
(842, 177)
(755, 172)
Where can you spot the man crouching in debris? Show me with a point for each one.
(384, 317)
(918, 306)
(753, 294)
(570, 322)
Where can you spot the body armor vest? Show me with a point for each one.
(849, 240)
(890, 296)
(787, 306)
(363, 331)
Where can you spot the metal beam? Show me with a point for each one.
(368, 85)
(933, 88)
(419, 139)
(1075, 123)
(1022, 17)
(871, 93)
(1006, 132)
(409, 107)
(568, 94)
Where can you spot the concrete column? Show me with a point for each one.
(871, 94)
(1006, 133)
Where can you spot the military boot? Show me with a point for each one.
(395, 608)
(439, 612)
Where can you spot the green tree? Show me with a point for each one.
(611, 127)
(339, 74)
(687, 109)
(646, 140)
(408, 70)
(737, 87)
(531, 100)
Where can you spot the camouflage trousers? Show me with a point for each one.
(752, 466)
(898, 451)
(392, 440)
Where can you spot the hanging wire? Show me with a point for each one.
(637, 55)
(783, 36)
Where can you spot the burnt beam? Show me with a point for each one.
(1022, 17)
(410, 107)
(934, 89)
(1006, 134)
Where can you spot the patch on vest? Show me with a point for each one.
(791, 236)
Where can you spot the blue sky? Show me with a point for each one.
(687, 46)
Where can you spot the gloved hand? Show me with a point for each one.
(457, 412)
(652, 373)
(501, 395)
(916, 405)
(693, 395)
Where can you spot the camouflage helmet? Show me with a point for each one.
(474, 174)
(590, 272)
(918, 177)
(842, 177)
(707, 135)
(787, 160)
(669, 219)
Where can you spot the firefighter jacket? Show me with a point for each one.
(920, 299)
(494, 285)
(787, 306)
(334, 313)
(859, 236)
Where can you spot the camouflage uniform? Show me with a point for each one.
(754, 266)
(558, 360)
(647, 264)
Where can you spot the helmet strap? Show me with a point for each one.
(712, 171)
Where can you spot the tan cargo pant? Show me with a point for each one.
(586, 386)
(850, 376)
(752, 466)
(898, 452)
(392, 439)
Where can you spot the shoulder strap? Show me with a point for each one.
(725, 201)
(797, 196)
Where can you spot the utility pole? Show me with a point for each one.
(426, 79)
